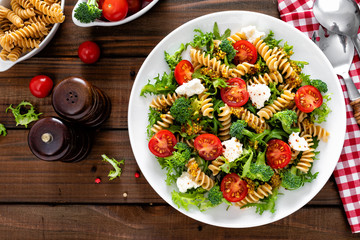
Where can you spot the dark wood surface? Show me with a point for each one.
(55, 200)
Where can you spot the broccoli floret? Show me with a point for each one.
(215, 195)
(320, 85)
(116, 164)
(259, 170)
(2, 130)
(175, 163)
(228, 48)
(238, 130)
(290, 180)
(181, 110)
(174, 59)
(287, 118)
(87, 12)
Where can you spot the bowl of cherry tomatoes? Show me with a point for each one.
(113, 12)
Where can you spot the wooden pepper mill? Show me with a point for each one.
(52, 139)
(75, 99)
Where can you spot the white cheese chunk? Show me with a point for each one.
(298, 143)
(259, 94)
(232, 149)
(190, 88)
(185, 182)
(251, 33)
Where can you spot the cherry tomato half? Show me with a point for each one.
(40, 86)
(307, 98)
(115, 10)
(162, 143)
(236, 94)
(234, 189)
(278, 154)
(183, 71)
(89, 52)
(208, 146)
(245, 52)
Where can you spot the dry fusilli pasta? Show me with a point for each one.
(261, 192)
(307, 156)
(215, 165)
(252, 120)
(163, 101)
(279, 104)
(225, 119)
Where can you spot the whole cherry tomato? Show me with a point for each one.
(89, 52)
(145, 3)
(115, 10)
(40, 86)
(134, 6)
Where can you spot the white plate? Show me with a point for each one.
(319, 68)
(5, 65)
(98, 22)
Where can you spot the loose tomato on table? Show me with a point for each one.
(183, 71)
(208, 146)
(236, 94)
(162, 143)
(234, 189)
(40, 86)
(89, 52)
(245, 52)
(307, 98)
(278, 154)
(115, 10)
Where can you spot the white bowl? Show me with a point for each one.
(98, 22)
(5, 65)
(319, 68)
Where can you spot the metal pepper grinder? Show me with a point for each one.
(75, 99)
(52, 139)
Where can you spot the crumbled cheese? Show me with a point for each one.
(252, 33)
(232, 149)
(190, 88)
(298, 143)
(259, 94)
(185, 182)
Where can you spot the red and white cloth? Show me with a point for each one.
(347, 172)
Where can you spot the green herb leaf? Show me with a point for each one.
(2, 130)
(26, 118)
(116, 164)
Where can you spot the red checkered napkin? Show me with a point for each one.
(347, 172)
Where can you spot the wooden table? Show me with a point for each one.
(55, 200)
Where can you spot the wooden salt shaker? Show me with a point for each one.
(52, 139)
(75, 99)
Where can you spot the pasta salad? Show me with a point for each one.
(235, 121)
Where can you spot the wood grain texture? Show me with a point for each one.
(27, 179)
(157, 222)
(81, 209)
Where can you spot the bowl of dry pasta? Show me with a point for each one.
(26, 27)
